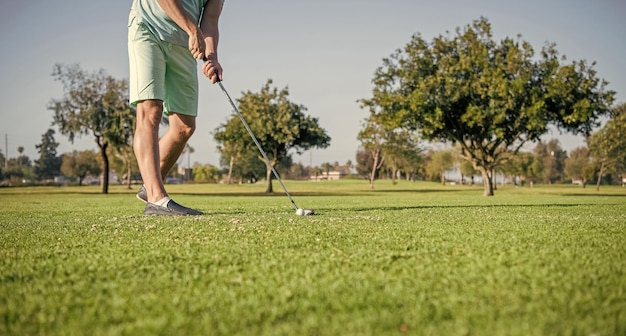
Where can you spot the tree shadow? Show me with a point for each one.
(482, 206)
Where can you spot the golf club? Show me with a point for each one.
(299, 211)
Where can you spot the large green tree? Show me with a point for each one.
(491, 97)
(95, 104)
(280, 126)
(608, 145)
(49, 164)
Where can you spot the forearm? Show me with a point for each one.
(211, 38)
(175, 10)
(209, 25)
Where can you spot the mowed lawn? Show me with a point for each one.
(412, 258)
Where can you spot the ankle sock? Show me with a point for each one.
(163, 201)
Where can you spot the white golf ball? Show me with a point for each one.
(300, 212)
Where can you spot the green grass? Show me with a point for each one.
(414, 258)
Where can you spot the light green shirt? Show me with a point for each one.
(152, 15)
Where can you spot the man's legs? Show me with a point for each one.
(155, 156)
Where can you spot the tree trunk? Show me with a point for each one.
(487, 182)
(128, 172)
(231, 164)
(105, 168)
(378, 162)
(600, 173)
(443, 178)
(268, 177)
(373, 172)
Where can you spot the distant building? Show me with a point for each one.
(332, 175)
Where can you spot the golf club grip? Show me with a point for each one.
(217, 75)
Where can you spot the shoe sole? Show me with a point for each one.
(152, 209)
(141, 199)
(145, 200)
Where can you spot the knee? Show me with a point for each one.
(149, 113)
(185, 131)
(183, 126)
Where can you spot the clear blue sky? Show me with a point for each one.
(325, 51)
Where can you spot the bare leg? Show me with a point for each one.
(146, 146)
(174, 140)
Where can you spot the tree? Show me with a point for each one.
(122, 160)
(489, 97)
(467, 169)
(327, 167)
(520, 167)
(297, 171)
(49, 164)
(364, 163)
(578, 165)
(440, 162)
(400, 149)
(3, 160)
(20, 150)
(206, 174)
(608, 145)
(552, 158)
(234, 147)
(80, 164)
(279, 125)
(93, 103)
(316, 171)
(18, 170)
(372, 137)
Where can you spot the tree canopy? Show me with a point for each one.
(490, 97)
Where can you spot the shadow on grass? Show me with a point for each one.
(609, 195)
(482, 206)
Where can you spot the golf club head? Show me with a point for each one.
(305, 212)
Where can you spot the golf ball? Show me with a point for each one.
(300, 212)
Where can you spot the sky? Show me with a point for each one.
(325, 52)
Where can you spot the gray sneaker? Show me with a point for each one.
(172, 209)
(142, 195)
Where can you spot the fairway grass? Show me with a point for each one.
(412, 258)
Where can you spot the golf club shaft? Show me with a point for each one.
(258, 145)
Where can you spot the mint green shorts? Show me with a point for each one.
(161, 70)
